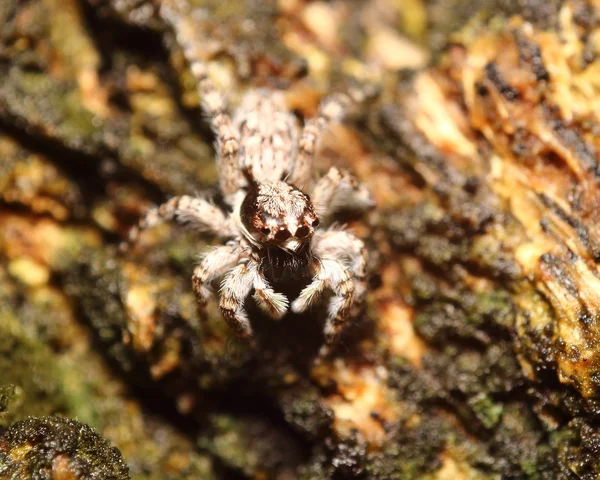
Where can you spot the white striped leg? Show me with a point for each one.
(185, 209)
(329, 273)
(348, 249)
(214, 265)
(176, 13)
(333, 108)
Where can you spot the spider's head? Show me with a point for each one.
(278, 214)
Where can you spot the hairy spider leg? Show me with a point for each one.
(332, 109)
(340, 190)
(213, 102)
(214, 265)
(197, 211)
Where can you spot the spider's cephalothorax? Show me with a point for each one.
(271, 235)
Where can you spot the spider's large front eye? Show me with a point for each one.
(265, 230)
(302, 231)
(283, 234)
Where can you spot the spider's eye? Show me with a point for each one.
(265, 230)
(283, 234)
(315, 222)
(302, 231)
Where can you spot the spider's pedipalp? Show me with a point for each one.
(235, 287)
(311, 293)
(272, 303)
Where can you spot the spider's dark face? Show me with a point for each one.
(275, 213)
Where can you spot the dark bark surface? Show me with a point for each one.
(476, 355)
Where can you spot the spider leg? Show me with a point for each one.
(333, 108)
(176, 14)
(214, 264)
(340, 190)
(340, 264)
(348, 249)
(351, 251)
(331, 273)
(197, 211)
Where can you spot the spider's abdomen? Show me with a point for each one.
(269, 135)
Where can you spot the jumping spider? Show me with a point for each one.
(264, 165)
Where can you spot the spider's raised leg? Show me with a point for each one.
(194, 210)
(341, 265)
(333, 108)
(340, 190)
(214, 265)
(348, 249)
(176, 14)
(333, 274)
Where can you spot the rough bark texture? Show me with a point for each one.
(477, 353)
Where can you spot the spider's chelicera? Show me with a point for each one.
(272, 235)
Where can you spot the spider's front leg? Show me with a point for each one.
(348, 249)
(236, 287)
(340, 263)
(185, 209)
(214, 265)
(333, 274)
